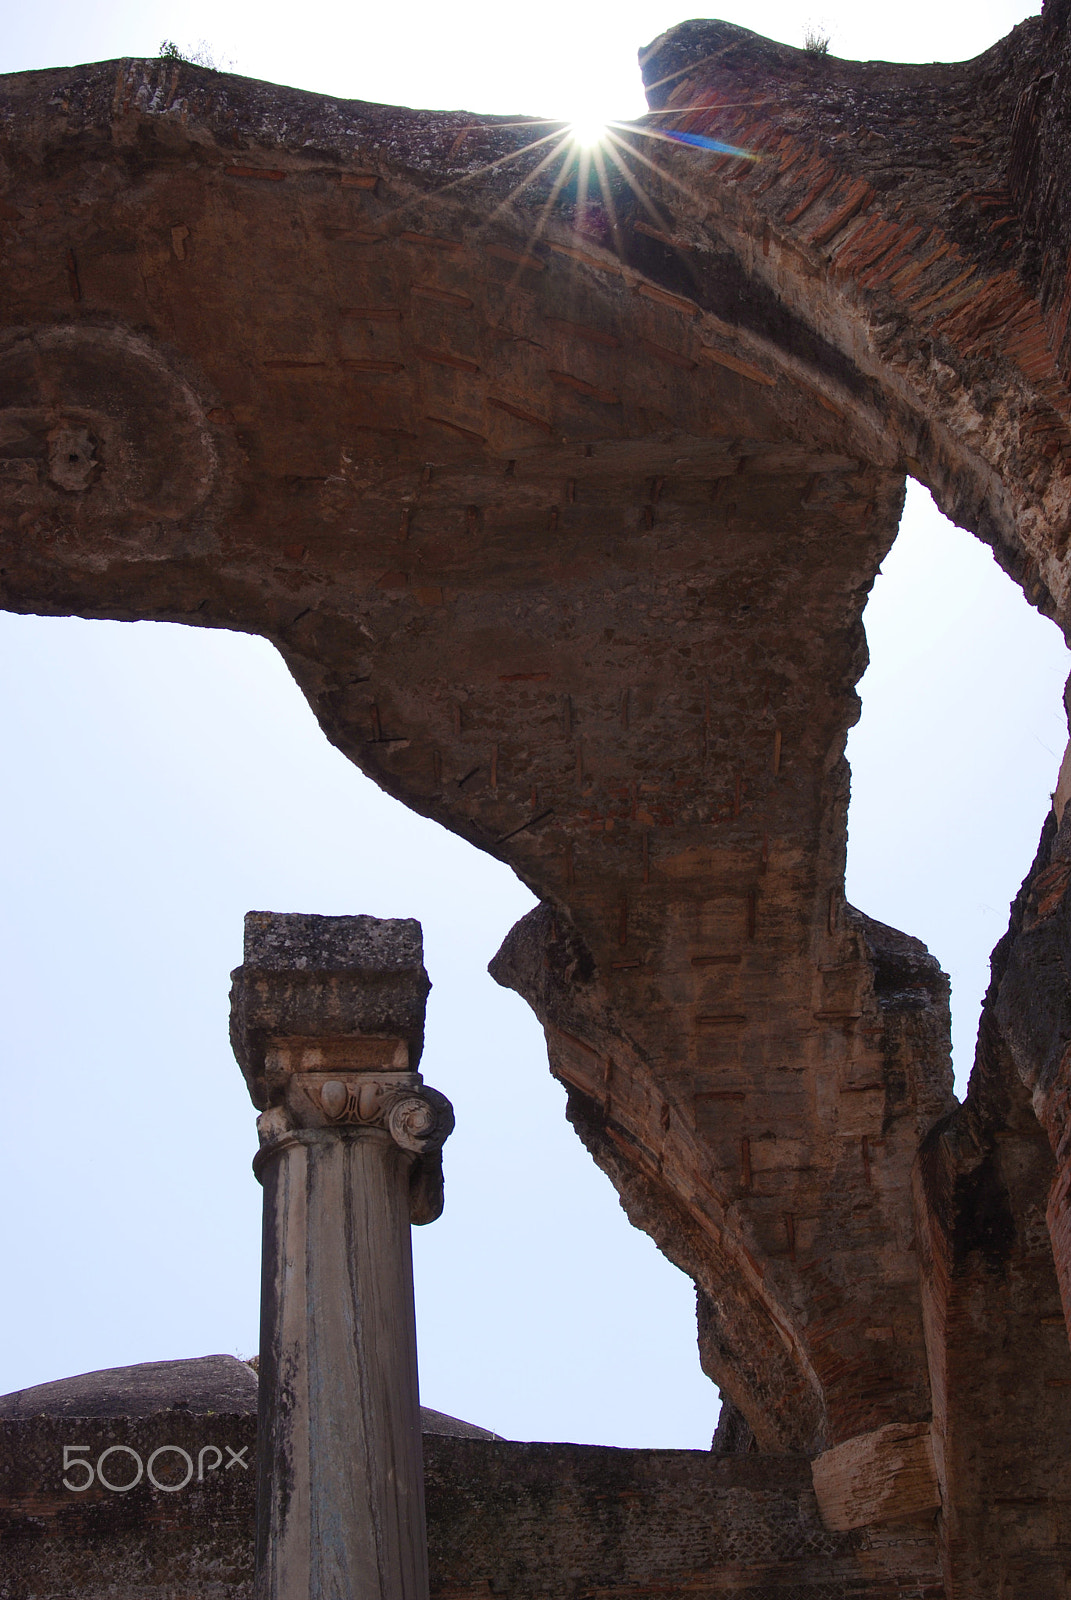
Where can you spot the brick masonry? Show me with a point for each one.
(506, 1519)
(564, 516)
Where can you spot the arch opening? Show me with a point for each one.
(956, 753)
(169, 780)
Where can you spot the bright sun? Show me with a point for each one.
(587, 132)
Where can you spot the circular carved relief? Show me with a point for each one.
(420, 1123)
(411, 1121)
(95, 427)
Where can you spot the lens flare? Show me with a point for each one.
(587, 132)
(588, 165)
(699, 141)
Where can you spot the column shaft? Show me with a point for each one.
(340, 1495)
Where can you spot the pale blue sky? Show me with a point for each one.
(567, 58)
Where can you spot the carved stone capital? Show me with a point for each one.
(337, 994)
(417, 1118)
(309, 1106)
(327, 1020)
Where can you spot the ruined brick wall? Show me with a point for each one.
(564, 519)
(886, 204)
(524, 1521)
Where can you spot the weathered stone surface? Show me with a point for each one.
(324, 1011)
(366, 948)
(209, 1385)
(524, 1520)
(340, 1493)
(445, 1427)
(993, 1270)
(571, 1520)
(882, 1476)
(616, 646)
(563, 515)
(910, 213)
(312, 978)
(203, 1386)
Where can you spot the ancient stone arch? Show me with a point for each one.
(563, 507)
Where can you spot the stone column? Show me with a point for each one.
(327, 1020)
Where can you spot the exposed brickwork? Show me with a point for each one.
(521, 1521)
(436, 572)
(937, 271)
(564, 516)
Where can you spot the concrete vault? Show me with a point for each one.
(562, 506)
